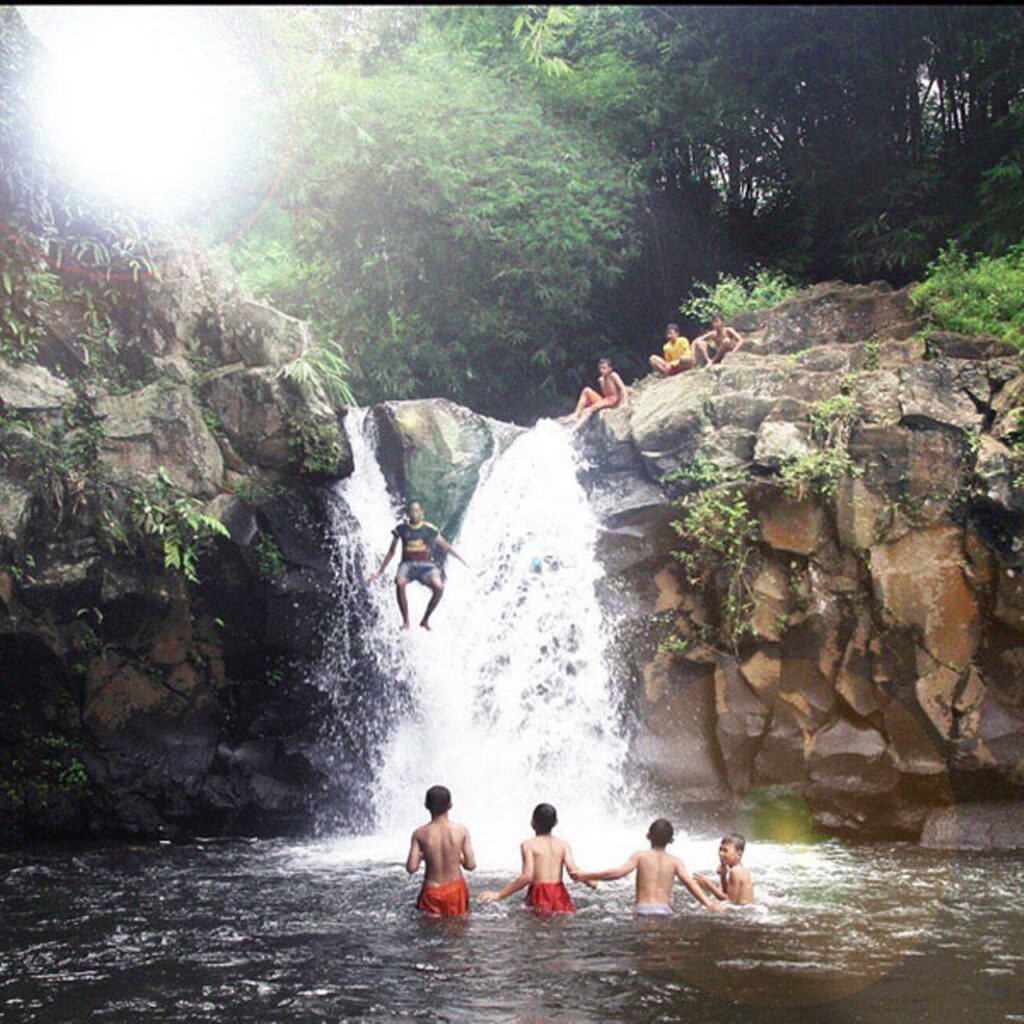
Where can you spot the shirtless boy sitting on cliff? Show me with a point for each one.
(446, 849)
(613, 394)
(735, 884)
(656, 871)
(544, 856)
(716, 344)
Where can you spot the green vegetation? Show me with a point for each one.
(325, 364)
(719, 537)
(700, 473)
(484, 198)
(316, 448)
(162, 511)
(269, 559)
(975, 295)
(732, 294)
(822, 469)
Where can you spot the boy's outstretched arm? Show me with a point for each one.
(524, 879)
(448, 549)
(383, 565)
(574, 872)
(466, 854)
(611, 873)
(698, 894)
(706, 883)
(412, 862)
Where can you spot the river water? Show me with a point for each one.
(267, 931)
(509, 701)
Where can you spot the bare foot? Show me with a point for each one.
(425, 625)
(405, 627)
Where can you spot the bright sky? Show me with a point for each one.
(143, 103)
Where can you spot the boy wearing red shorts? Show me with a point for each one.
(544, 857)
(446, 849)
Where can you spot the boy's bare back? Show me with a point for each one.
(656, 872)
(444, 847)
(544, 857)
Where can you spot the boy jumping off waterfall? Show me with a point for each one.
(416, 535)
(543, 860)
(445, 849)
(656, 871)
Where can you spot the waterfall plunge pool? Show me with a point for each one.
(272, 931)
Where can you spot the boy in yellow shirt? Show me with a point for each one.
(676, 356)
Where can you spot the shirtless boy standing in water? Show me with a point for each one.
(613, 394)
(544, 856)
(735, 884)
(446, 849)
(656, 871)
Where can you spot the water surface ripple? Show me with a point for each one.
(268, 931)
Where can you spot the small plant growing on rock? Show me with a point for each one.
(176, 521)
(316, 447)
(324, 364)
(700, 473)
(821, 470)
(269, 559)
(719, 533)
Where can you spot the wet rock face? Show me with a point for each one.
(879, 672)
(432, 451)
(133, 702)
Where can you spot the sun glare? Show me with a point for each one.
(143, 105)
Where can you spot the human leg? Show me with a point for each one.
(437, 592)
(403, 602)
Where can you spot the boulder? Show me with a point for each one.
(836, 313)
(997, 825)
(779, 442)
(950, 345)
(943, 394)
(26, 387)
(741, 721)
(15, 509)
(675, 743)
(919, 581)
(846, 757)
(995, 470)
(159, 426)
(433, 451)
(798, 527)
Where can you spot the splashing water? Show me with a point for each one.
(509, 696)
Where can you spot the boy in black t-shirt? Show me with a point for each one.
(416, 535)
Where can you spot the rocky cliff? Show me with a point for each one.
(155, 667)
(837, 615)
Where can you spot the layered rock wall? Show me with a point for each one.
(878, 671)
(133, 700)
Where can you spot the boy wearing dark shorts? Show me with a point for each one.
(417, 536)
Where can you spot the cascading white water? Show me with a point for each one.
(511, 698)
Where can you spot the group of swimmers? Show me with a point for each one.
(445, 849)
(679, 354)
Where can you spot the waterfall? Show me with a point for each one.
(508, 700)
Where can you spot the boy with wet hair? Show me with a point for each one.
(656, 872)
(735, 884)
(446, 849)
(544, 857)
